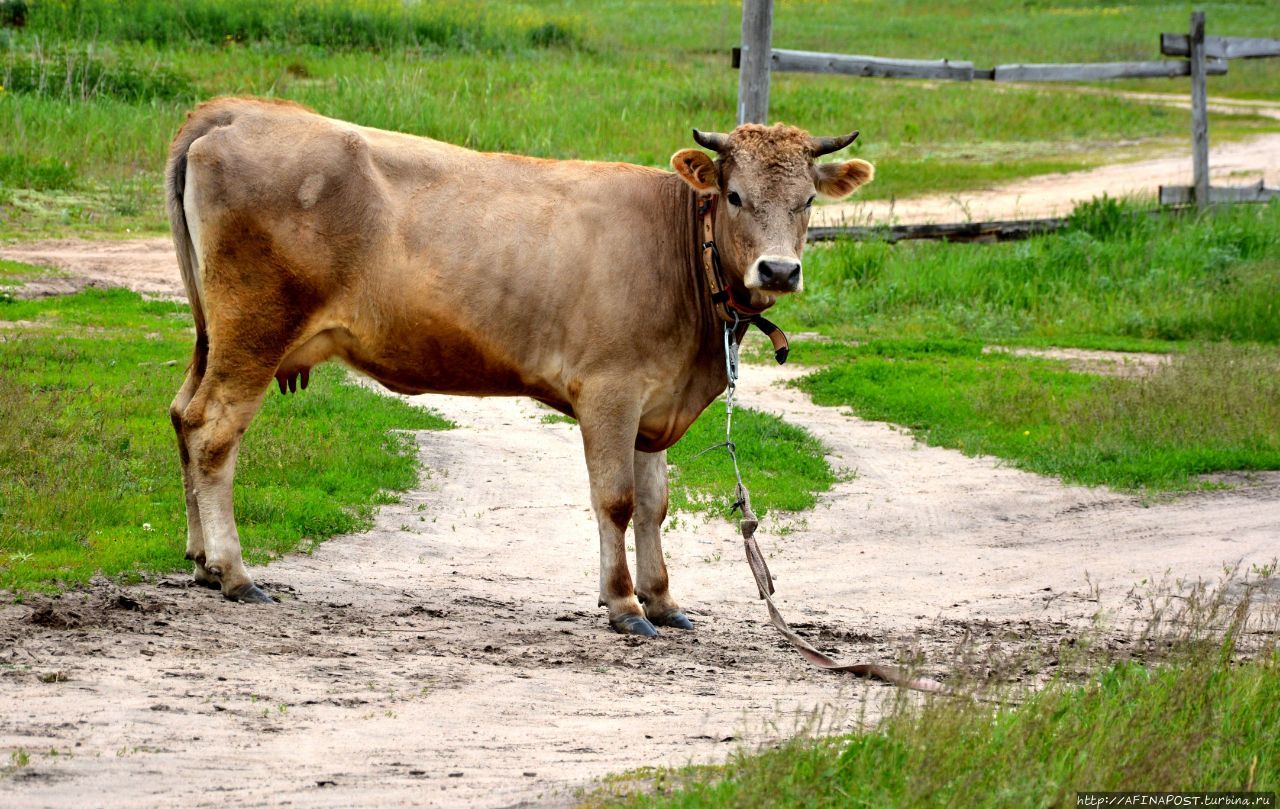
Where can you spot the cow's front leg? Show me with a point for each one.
(651, 568)
(608, 438)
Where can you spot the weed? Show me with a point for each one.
(82, 74)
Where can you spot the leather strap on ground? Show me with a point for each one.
(764, 583)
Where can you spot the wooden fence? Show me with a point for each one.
(1203, 56)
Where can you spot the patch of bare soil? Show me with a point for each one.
(454, 655)
(143, 265)
(1106, 363)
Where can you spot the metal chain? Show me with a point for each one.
(731, 371)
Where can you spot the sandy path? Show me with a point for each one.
(1236, 163)
(454, 654)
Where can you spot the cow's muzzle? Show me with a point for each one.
(775, 274)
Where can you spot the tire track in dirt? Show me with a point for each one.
(453, 655)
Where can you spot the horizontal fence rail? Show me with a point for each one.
(1186, 194)
(786, 61)
(880, 67)
(1100, 71)
(1221, 47)
(998, 231)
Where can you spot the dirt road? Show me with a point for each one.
(454, 655)
(1238, 163)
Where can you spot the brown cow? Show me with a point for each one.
(434, 268)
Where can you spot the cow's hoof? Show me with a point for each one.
(205, 580)
(675, 619)
(249, 594)
(634, 625)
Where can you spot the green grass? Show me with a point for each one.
(783, 466)
(13, 273)
(1195, 725)
(92, 481)
(339, 24)
(610, 80)
(1117, 275)
(1215, 408)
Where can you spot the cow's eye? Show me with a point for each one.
(809, 202)
(734, 199)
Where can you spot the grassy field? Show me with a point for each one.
(1214, 408)
(94, 89)
(91, 477)
(1118, 278)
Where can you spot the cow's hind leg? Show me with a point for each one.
(608, 436)
(213, 423)
(195, 531)
(651, 569)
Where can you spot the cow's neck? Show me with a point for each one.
(696, 288)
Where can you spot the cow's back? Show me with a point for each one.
(436, 268)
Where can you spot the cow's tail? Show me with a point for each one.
(175, 187)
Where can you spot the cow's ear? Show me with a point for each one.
(695, 168)
(839, 180)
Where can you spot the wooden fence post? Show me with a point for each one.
(1199, 113)
(757, 50)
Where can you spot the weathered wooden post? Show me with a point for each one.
(1199, 113)
(757, 49)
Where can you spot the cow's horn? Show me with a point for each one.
(715, 141)
(821, 146)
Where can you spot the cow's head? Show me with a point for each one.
(766, 178)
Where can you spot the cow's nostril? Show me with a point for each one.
(794, 277)
(766, 271)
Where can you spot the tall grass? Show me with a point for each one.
(83, 73)
(1115, 272)
(342, 24)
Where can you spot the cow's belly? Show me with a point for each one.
(427, 361)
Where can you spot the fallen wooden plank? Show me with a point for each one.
(1006, 230)
(870, 66)
(1186, 194)
(1221, 47)
(1100, 71)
